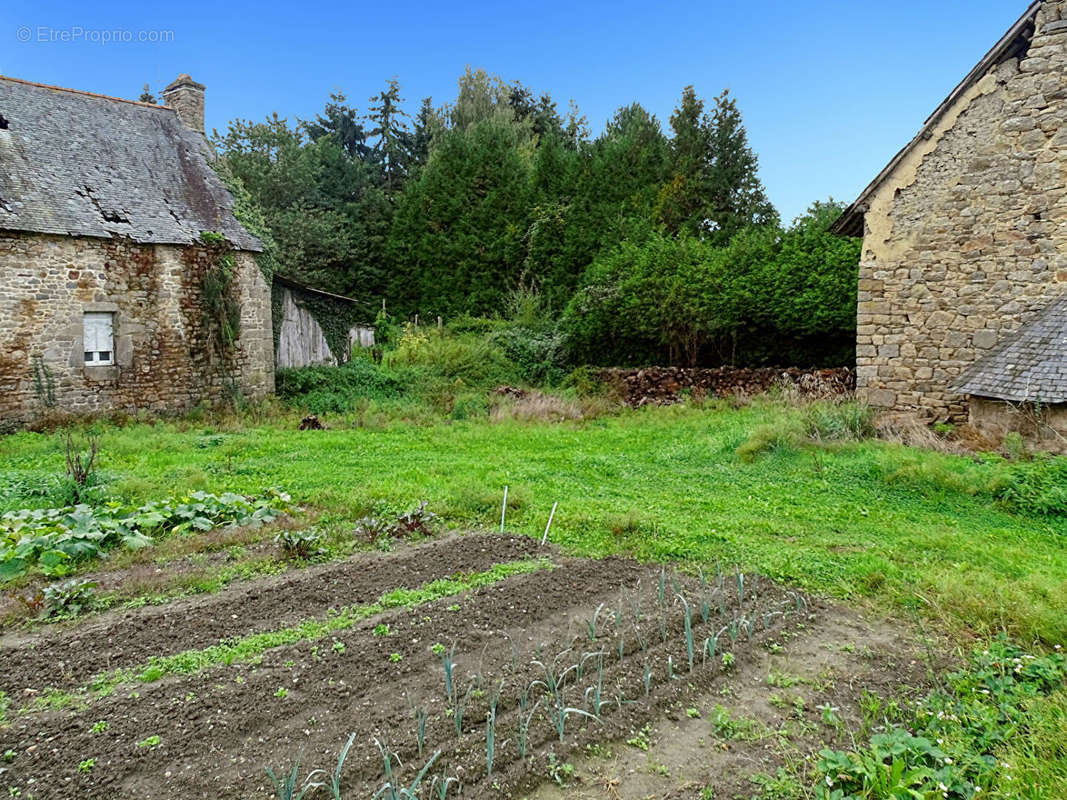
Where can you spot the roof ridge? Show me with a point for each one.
(83, 92)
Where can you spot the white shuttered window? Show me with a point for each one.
(99, 336)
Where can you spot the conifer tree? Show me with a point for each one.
(392, 151)
(735, 195)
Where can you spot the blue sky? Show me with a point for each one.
(829, 89)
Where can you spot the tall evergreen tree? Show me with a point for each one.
(736, 198)
(340, 121)
(392, 151)
(457, 241)
(682, 204)
(428, 124)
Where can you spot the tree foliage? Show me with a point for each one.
(771, 295)
(648, 245)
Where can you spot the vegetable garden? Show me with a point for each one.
(478, 663)
(217, 644)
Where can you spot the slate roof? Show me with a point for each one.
(1030, 365)
(81, 164)
(1012, 44)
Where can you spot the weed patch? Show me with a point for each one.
(958, 740)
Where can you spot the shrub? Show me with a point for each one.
(539, 355)
(1036, 487)
(585, 381)
(325, 389)
(468, 406)
(478, 326)
(468, 359)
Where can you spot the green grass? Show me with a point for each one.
(908, 528)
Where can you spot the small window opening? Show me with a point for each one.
(99, 338)
(3, 123)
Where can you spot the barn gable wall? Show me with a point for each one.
(966, 239)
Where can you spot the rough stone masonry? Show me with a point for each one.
(162, 357)
(104, 204)
(965, 235)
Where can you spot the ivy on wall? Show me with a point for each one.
(251, 218)
(219, 297)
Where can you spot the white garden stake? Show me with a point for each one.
(549, 525)
(503, 508)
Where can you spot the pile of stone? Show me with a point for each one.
(667, 385)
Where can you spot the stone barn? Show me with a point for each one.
(963, 273)
(126, 283)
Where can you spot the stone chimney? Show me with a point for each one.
(186, 97)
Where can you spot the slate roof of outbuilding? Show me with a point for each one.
(1029, 366)
(81, 164)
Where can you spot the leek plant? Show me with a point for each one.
(490, 740)
(421, 716)
(687, 621)
(389, 790)
(597, 689)
(556, 686)
(335, 779)
(287, 789)
(449, 663)
(439, 786)
(459, 707)
(524, 727)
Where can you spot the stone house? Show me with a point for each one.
(963, 272)
(126, 282)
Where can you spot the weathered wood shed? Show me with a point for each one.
(313, 326)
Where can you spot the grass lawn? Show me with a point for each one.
(905, 527)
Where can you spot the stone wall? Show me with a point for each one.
(967, 238)
(162, 359)
(1044, 427)
(666, 385)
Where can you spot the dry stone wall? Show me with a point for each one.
(162, 356)
(666, 385)
(967, 238)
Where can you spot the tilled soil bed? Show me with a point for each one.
(610, 637)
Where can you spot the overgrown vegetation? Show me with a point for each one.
(641, 245)
(449, 370)
(963, 741)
